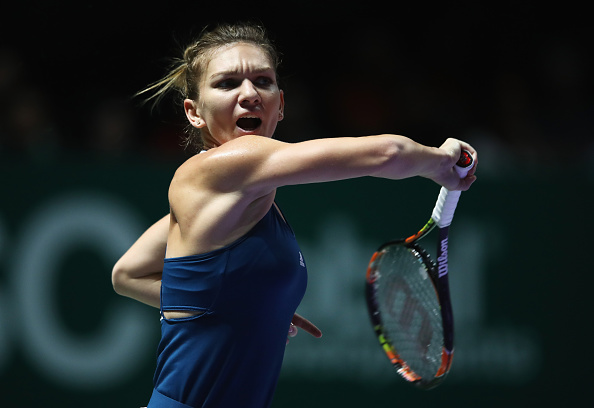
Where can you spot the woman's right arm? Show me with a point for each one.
(137, 274)
(258, 165)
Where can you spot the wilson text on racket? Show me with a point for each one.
(443, 259)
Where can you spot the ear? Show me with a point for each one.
(281, 109)
(193, 114)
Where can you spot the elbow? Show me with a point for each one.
(392, 149)
(387, 155)
(399, 157)
(118, 279)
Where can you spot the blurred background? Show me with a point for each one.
(85, 170)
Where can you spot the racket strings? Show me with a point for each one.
(409, 309)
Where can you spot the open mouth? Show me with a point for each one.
(248, 124)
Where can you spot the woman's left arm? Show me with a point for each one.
(137, 274)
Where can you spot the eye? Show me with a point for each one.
(263, 81)
(228, 83)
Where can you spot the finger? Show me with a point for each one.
(473, 169)
(292, 330)
(306, 325)
(466, 182)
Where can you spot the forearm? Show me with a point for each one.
(388, 156)
(399, 157)
(146, 289)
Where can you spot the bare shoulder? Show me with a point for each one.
(209, 204)
(230, 167)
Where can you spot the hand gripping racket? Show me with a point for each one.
(408, 297)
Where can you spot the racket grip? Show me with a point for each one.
(443, 213)
(462, 171)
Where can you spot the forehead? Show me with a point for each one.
(238, 58)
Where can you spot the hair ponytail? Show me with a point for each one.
(179, 81)
(174, 81)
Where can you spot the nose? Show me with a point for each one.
(248, 94)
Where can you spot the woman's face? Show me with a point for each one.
(239, 96)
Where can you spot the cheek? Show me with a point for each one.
(218, 110)
(274, 101)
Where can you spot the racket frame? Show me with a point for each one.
(441, 285)
(442, 216)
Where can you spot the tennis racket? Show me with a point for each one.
(408, 297)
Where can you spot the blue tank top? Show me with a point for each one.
(248, 291)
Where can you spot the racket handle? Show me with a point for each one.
(443, 213)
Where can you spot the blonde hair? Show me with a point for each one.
(185, 73)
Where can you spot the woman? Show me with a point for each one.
(233, 274)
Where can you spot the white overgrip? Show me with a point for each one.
(443, 213)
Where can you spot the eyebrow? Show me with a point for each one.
(233, 72)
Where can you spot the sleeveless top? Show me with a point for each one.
(248, 291)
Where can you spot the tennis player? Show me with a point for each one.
(224, 266)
